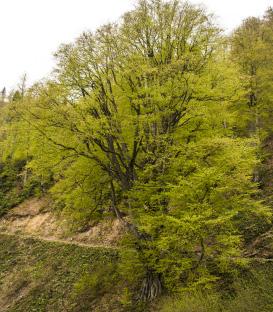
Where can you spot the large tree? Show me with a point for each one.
(137, 118)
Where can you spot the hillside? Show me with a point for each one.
(34, 218)
(36, 275)
(44, 268)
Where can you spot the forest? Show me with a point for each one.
(163, 123)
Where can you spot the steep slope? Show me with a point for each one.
(44, 268)
(36, 275)
(34, 218)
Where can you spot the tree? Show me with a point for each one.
(136, 118)
(252, 50)
(3, 95)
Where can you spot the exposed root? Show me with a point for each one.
(151, 287)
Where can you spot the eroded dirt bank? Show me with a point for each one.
(32, 218)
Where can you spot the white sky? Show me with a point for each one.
(31, 30)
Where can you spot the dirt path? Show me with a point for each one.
(58, 241)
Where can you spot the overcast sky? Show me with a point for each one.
(31, 30)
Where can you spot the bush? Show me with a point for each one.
(15, 187)
(94, 285)
(193, 302)
(251, 293)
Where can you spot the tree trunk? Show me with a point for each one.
(151, 287)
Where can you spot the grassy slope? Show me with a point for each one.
(41, 276)
(48, 276)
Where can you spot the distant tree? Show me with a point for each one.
(3, 95)
(16, 96)
(22, 85)
(252, 49)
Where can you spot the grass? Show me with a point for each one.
(42, 276)
(251, 292)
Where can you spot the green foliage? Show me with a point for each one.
(250, 293)
(13, 188)
(253, 292)
(94, 285)
(193, 302)
(252, 51)
(73, 193)
(196, 212)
